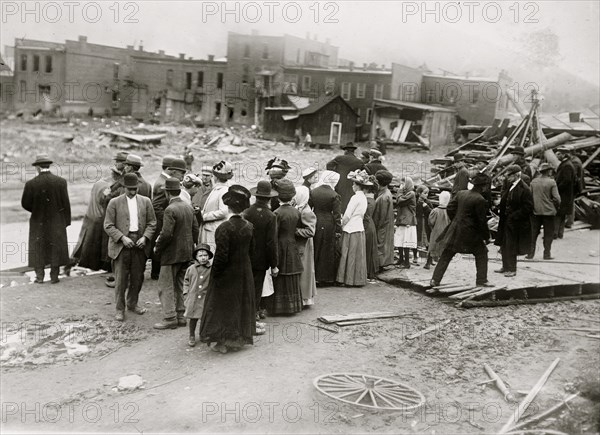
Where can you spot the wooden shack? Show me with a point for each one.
(406, 122)
(329, 120)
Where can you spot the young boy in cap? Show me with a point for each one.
(195, 283)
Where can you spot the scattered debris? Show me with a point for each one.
(357, 318)
(546, 413)
(130, 383)
(428, 330)
(508, 396)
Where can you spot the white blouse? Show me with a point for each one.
(352, 221)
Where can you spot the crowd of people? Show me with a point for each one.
(225, 257)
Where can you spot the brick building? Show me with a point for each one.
(478, 100)
(255, 70)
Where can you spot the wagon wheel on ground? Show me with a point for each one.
(369, 391)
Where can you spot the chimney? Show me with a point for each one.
(383, 67)
(364, 66)
(351, 66)
(191, 58)
(141, 47)
(161, 52)
(83, 39)
(211, 57)
(130, 47)
(467, 74)
(182, 56)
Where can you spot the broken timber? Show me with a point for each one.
(508, 396)
(354, 318)
(546, 413)
(140, 138)
(428, 330)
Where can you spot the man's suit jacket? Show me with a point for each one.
(116, 223)
(144, 188)
(175, 242)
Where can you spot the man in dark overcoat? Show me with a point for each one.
(343, 165)
(175, 245)
(47, 199)
(461, 180)
(374, 164)
(468, 230)
(159, 203)
(130, 225)
(522, 162)
(566, 181)
(265, 253)
(514, 227)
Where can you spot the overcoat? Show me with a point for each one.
(265, 253)
(47, 199)
(383, 218)
(288, 219)
(229, 309)
(326, 205)
(468, 229)
(144, 188)
(343, 165)
(516, 208)
(195, 286)
(566, 181)
(175, 242)
(374, 166)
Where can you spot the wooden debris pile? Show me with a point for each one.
(491, 152)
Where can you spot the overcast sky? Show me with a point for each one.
(381, 32)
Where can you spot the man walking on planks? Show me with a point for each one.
(468, 231)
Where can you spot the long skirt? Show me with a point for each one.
(308, 284)
(405, 236)
(353, 261)
(88, 250)
(288, 296)
(372, 250)
(324, 245)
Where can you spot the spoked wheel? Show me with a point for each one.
(369, 391)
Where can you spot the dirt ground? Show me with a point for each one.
(62, 354)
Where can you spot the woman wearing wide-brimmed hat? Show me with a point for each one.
(214, 212)
(228, 319)
(352, 269)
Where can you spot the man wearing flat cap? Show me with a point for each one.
(130, 224)
(546, 202)
(159, 203)
(132, 165)
(468, 231)
(514, 227)
(343, 165)
(174, 244)
(47, 199)
(374, 164)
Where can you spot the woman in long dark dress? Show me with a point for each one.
(228, 320)
(371, 233)
(288, 294)
(326, 205)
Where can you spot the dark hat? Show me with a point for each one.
(480, 179)
(513, 169)
(365, 154)
(178, 164)
(459, 157)
(545, 167)
(133, 160)
(42, 159)
(121, 156)
(203, 247)
(168, 160)
(223, 169)
(130, 181)
(518, 150)
(276, 162)
(263, 189)
(115, 170)
(236, 194)
(172, 184)
(349, 145)
(286, 189)
(384, 177)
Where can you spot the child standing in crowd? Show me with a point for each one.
(405, 236)
(195, 283)
(438, 222)
(422, 212)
